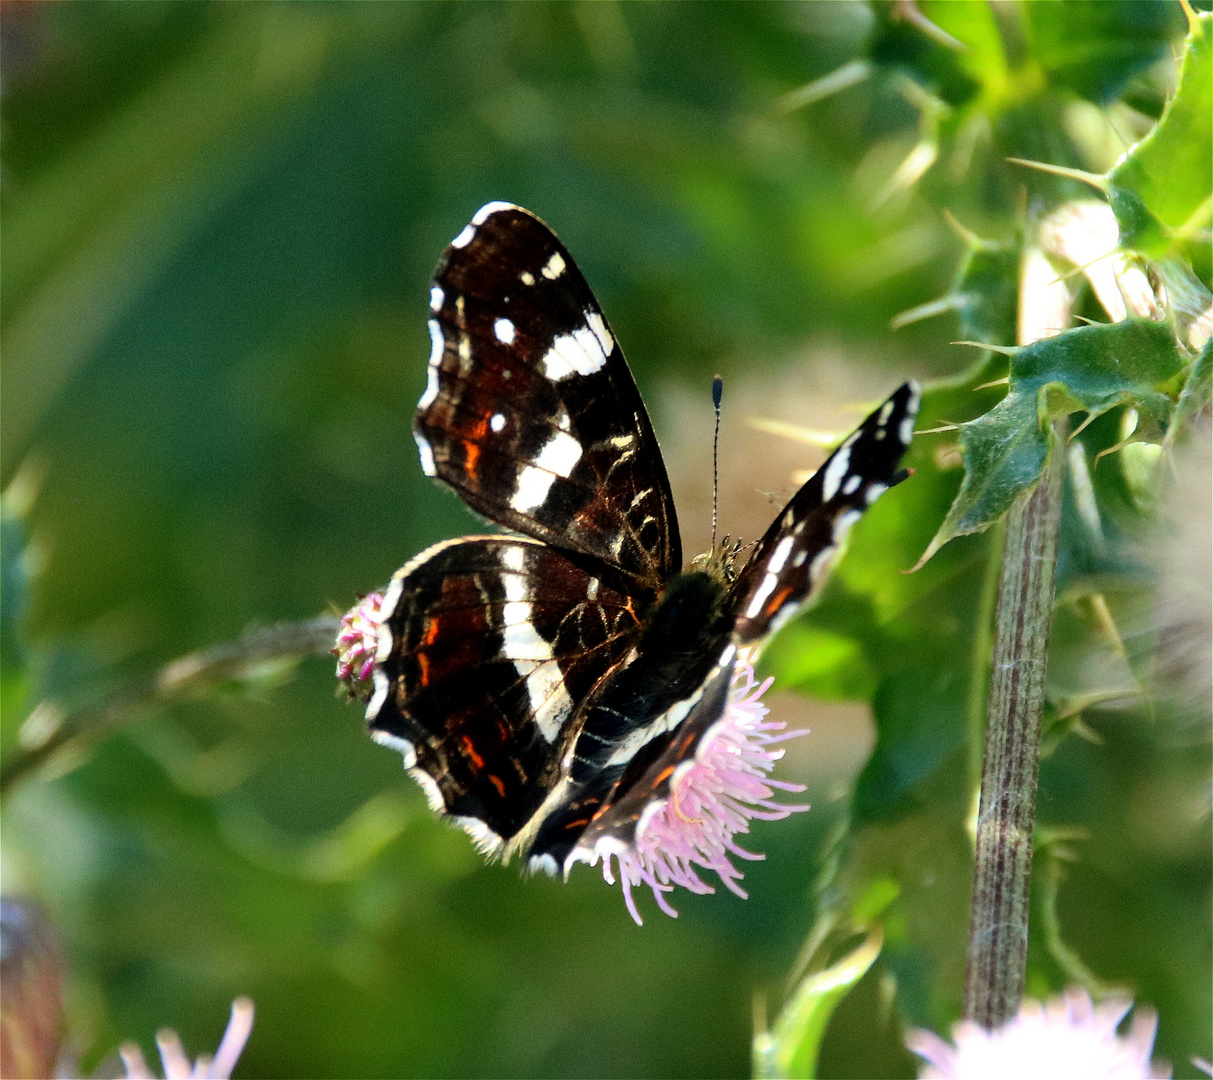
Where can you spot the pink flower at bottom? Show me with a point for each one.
(713, 796)
(1068, 1038)
(172, 1055)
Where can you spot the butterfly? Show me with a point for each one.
(545, 683)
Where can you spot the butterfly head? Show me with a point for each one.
(720, 564)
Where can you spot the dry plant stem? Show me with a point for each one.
(998, 929)
(191, 673)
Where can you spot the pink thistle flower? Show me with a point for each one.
(1069, 1037)
(713, 797)
(172, 1055)
(356, 644)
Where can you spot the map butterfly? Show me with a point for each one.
(545, 684)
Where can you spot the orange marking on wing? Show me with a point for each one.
(471, 448)
(471, 458)
(778, 600)
(469, 748)
(496, 782)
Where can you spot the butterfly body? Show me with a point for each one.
(545, 688)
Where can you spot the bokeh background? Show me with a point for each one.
(219, 224)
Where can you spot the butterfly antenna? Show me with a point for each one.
(717, 394)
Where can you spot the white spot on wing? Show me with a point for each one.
(843, 523)
(489, 209)
(497, 423)
(431, 387)
(874, 492)
(555, 266)
(433, 795)
(395, 742)
(578, 353)
(465, 237)
(853, 481)
(559, 454)
(532, 489)
(527, 278)
(780, 555)
(594, 322)
(550, 701)
(821, 563)
(395, 588)
(520, 640)
(513, 559)
(667, 721)
(437, 298)
(782, 616)
(530, 653)
(504, 329)
(545, 863)
(437, 342)
(383, 687)
(426, 455)
(906, 432)
(519, 637)
(835, 471)
(484, 840)
(760, 596)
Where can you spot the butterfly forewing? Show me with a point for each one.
(530, 412)
(491, 643)
(795, 554)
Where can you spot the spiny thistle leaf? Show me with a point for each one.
(1163, 187)
(1090, 369)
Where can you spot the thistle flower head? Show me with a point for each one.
(356, 644)
(713, 797)
(1069, 1036)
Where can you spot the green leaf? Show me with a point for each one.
(1089, 369)
(791, 1048)
(987, 292)
(1198, 388)
(821, 662)
(1163, 187)
(898, 44)
(1095, 49)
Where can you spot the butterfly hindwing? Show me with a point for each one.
(530, 412)
(647, 784)
(489, 646)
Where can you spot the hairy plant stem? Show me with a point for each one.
(237, 659)
(998, 928)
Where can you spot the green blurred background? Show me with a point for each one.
(219, 224)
